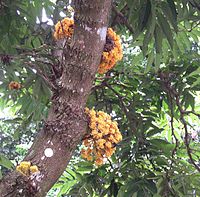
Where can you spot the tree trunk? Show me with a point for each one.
(66, 125)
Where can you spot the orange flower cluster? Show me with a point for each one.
(64, 28)
(111, 55)
(26, 169)
(104, 135)
(13, 85)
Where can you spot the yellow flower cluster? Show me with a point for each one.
(13, 85)
(64, 29)
(26, 168)
(111, 57)
(111, 54)
(104, 135)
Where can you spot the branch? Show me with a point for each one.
(6, 59)
(192, 112)
(169, 89)
(124, 108)
(172, 129)
(123, 18)
(41, 74)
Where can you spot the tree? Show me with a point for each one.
(152, 94)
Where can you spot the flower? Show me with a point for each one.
(13, 85)
(26, 169)
(64, 29)
(112, 52)
(111, 55)
(104, 135)
(33, 169)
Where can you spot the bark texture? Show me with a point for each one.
(65, 125)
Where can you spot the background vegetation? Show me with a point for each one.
(153, 94)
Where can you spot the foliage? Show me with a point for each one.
(153, 94)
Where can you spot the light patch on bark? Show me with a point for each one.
(88, 28)
(42, 158)
(48, 152)
(38, 176)
(102, 33)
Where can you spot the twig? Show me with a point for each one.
(123, 18)
(176, 97)
(123, 106)
(41, 74)
(172, 129)
(192, 112)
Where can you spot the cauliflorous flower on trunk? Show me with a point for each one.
(112, 52)
(26, 168)
(104, 134)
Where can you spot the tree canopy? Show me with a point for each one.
(153, 94)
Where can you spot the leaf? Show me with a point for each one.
(165, 28)
(149, 32)
(114, 188)
(185, 40)
(89, 189)
(196, 72)
(197, 82)
(84, 167)
(146, 40)
(153, 132)
(5, 162)
(175, 51)
(173, 9)
(158, 39)
(157, 61)
(149, 61)
(169, 14)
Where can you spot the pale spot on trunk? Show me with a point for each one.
(48, 152)
(88, 28)
(42, 158)
(102, 33)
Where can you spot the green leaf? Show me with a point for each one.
(150, 30)
(5, 162)
(173, 9)
(158, 39)
(147, 39)
(157, 61)
(169, 14)
(196, 72)
(165, 28)
(197, 82)
(149, 61)
(185, 40)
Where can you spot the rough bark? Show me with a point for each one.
(65, 125)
